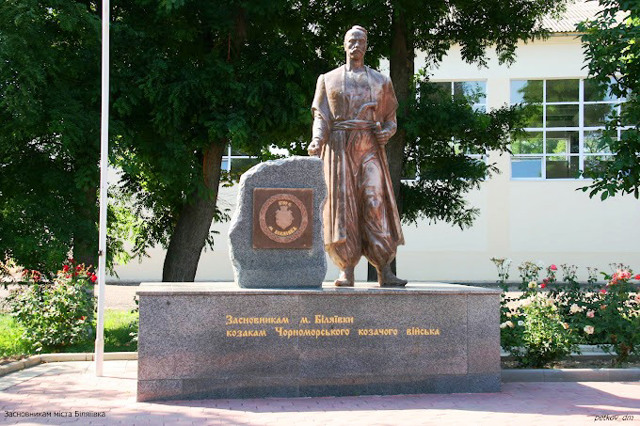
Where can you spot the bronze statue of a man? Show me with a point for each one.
(354, 115)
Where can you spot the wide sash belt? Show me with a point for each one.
(353, 125)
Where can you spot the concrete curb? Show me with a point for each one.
(589, 352)
(508, 375)
(571, 375)
(44, 358)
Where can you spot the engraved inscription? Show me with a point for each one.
(246, 333)
(312, 332)
(417, 331)
(377, 332)
(231, 320)
(306, 329)
(321, 319)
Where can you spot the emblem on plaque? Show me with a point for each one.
(282, 217)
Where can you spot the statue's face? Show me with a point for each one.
(355, 44)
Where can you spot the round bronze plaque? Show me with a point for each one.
(283, 218)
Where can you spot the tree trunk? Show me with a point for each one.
(85, 243)
(402, 70)
(194, 223)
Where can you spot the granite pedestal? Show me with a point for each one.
(215, 340)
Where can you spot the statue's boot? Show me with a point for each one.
(346, 278)
(386, 278)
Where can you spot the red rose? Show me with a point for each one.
(603, 290)
(637, 277)
(65, 268)
(553, 268)
(543, 285)
(93, 278)
(78, 267)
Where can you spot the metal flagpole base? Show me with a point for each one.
(99, 356)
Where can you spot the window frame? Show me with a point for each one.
(581, 130)
(475, 106)
(227, 159)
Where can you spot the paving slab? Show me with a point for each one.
(69, 392)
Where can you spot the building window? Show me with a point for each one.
(474, 91)
(562, 132)
(237, 161)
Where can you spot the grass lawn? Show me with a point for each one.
(118, 326)
(10, 342)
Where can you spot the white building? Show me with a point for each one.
(532, 210)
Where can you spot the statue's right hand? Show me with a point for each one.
(314, 149)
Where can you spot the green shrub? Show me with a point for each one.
(607, 316)
(119, 326)
(529, 272)
(540, 337)
(618, 316)
(58, 313)
(510, 316)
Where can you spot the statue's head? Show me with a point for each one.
(355, 42)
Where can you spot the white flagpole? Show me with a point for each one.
(104, 164)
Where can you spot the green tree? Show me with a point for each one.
(450, 139)
(399, 28)
(611, 45)
(49, 110)
(210, 74)
(188, 79)
(243, 74)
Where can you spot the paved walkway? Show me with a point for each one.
(61, 389)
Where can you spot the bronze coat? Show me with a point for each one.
(331, 104)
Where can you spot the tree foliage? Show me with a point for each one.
(432, 27)
(612, 49)
(49, 107)
(211, 74)
(448, 155)
(397, 30)
(190, 78)
(50, 135)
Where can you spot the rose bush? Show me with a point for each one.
(619, 314)
(607, 316)
(541, 337)
(58, 312)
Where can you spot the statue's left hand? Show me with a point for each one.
(382, 135)
(314, 149)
